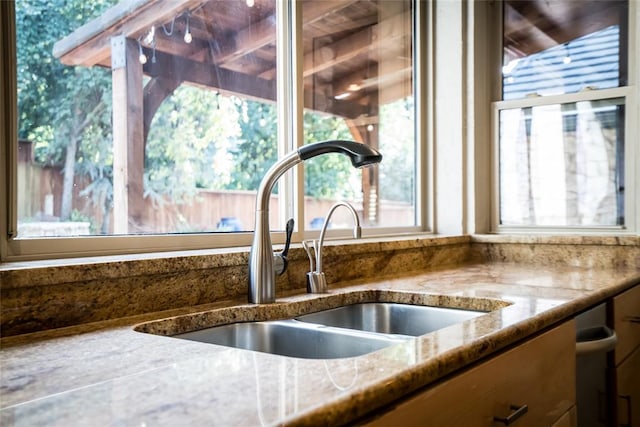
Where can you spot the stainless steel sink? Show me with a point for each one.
(294, 339)
(346, 331)
(391, 318)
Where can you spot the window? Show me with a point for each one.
(562, 126)
(160, 120)
(373, 88)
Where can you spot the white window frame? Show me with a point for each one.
(630, 93)
(290, 136)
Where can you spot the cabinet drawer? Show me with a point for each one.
(626, 322)
(539, 373)
(628, 399)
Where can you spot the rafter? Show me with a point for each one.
(90, 44)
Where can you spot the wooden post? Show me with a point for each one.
(128, 136)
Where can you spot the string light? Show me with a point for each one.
(150, 37)
(141, 57)
(188, 38)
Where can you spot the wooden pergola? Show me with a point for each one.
(357, 56)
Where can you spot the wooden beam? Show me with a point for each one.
(90, 44)
(210, 76)
(377, 36)
(128, 139)
(532, 26)
(263, 33)
(234, 83)
(155, 92)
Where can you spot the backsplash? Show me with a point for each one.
(576, 251)
(41, 295)
(38, 296)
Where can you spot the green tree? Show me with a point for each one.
(328, 176)
(188, 144)
(59, 106)
(397, 144)
(256, 149)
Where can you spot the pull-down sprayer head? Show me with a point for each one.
(360, 154)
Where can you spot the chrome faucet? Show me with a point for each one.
(262, 279)
(317, 283)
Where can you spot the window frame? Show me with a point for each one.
(290, 136)
(630, 93)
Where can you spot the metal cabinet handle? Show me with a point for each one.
(518, 411)
(633, 319)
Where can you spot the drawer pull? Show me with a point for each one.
(633, 319)
(518, 411)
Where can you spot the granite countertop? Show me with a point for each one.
(111, 374)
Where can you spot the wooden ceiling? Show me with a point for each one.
(360, 49)
(531, 26)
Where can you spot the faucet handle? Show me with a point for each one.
(280, 261)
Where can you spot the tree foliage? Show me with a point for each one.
(49, 93)
(188, 143)
(256, 148)
(397, 142)
(329, 176)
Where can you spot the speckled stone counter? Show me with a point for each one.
(107, 373)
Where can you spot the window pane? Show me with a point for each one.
(358, 68)
(559, 46)
(563, 164)
(157, 119)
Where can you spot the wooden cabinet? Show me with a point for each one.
(626, 322)
(533, 382)
(628, 396)
(626, 360)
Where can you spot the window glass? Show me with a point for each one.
(156, 119)
(559, 46)
(358, 85)
(561, 162)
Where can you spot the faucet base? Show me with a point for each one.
(316, 283)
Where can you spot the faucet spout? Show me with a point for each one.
(261, 270)
(317, 283)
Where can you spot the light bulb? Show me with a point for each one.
(250, 3)
(141, 56)
(567, 59)
(187, 33)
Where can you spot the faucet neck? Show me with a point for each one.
(357, 230)
(262, 278)
(271, 177)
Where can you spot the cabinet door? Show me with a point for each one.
(626, 318)
(569, 419)
(539, 373)
(628, 377)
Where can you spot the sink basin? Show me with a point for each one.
(345, 331)
(293, 338)
(391, 318)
